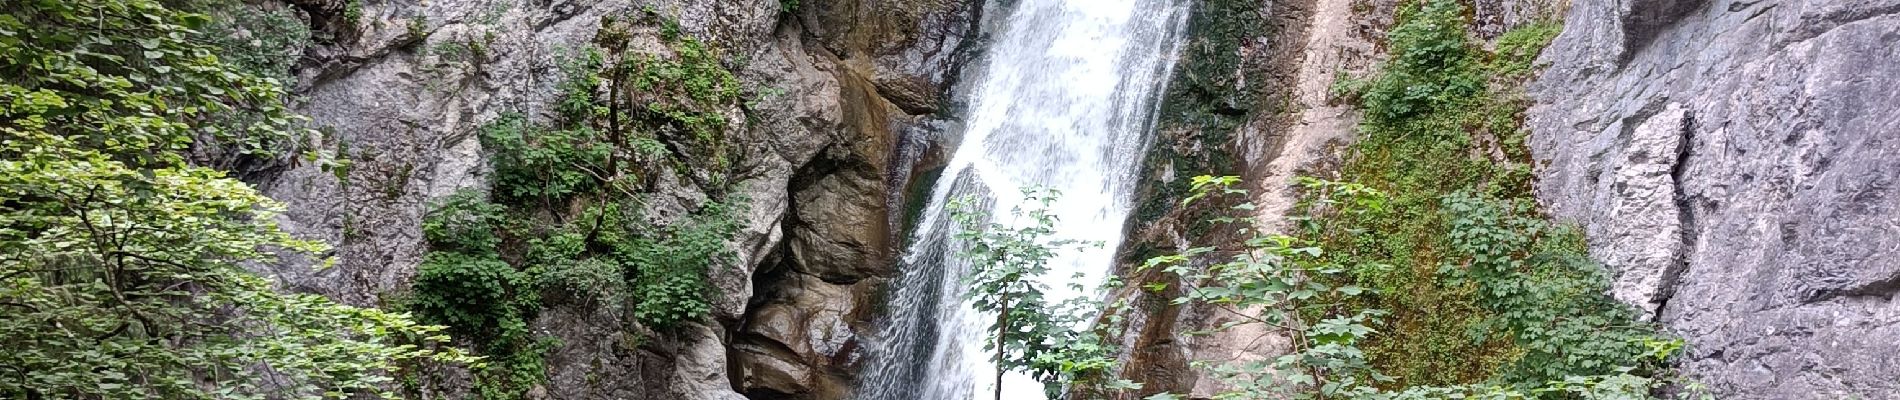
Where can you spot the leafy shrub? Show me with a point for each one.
(463, 222)
(534, 163)
(682, 96)
(1485, 297)
(566, 226)
(478, 296)
(670, 273)
(600, 282)
(353, 11)
(123, 254)
(1547, 297)
(263, 42)
(1518, 48)
(1580, 343)
(1432, 66)
(1032, 335)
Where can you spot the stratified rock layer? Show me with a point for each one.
(1735, 163)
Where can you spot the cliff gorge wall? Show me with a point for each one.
(1735, 163)
(836, 89)
(1731, 162)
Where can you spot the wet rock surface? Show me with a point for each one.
(1735, 164)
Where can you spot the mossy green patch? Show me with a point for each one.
(1205, 102)
(1480, 286)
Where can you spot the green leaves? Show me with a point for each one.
(1547, 297)
(464, 222)
(120, 262)
(1266, 281)
(1007, 264)
(1544, 297)
(607, 257)
(1433, 65)
(568, 200)
(536, 163)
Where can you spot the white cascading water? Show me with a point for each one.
(1064, 101)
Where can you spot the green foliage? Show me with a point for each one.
(353, 11)
(670, 271)
(566, 223)
(535, 163)
(1440, 277)
(1433, 66)
(1030, 334)
(1518, 49)
(464, 284)
(1290, 286)
(788, 6)
(418, 27)
(606, 257)
(1485, 297)
(1547, 297)
(478, 296)
(600, 282)
(120, 261)
(1269, 280)
(1454, 138)
(265, 42)
(112, 90)
(463, 222)
(680, 98)
(622, 119)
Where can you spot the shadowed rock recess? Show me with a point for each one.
(1734, 163)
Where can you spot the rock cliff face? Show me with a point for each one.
(837, 89)
(1735, 163)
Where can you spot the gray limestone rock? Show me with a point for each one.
(1735, 164)
(402, 90)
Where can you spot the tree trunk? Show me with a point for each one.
(1002, 328)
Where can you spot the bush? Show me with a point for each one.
(1432, 67)
(463, 222)
(534, 163)
(1544, 293)
(670, 273)
(125, 237)
(479, 297)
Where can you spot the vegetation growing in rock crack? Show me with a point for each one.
(567, 221)
(121, 247)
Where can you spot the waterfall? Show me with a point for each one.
(1064, 100)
